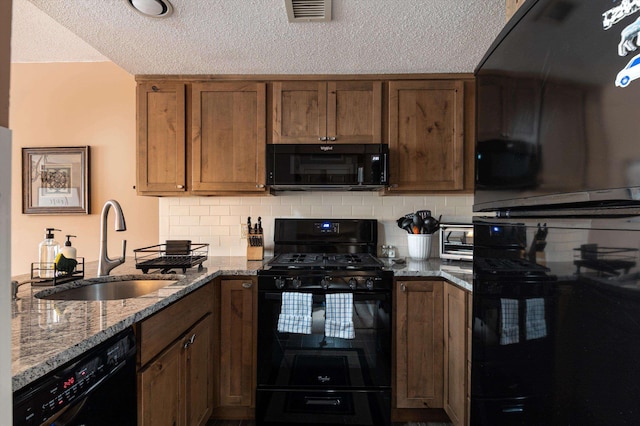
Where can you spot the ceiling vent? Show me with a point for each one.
(308, 10)
(152, 8)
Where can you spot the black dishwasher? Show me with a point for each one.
(96, 388)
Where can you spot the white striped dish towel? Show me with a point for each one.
(509, 328)
(339, 316)
(536, 325)
(295, 313)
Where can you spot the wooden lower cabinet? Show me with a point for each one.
(432, 352)
(455, 354)
(175, 363)
(235, 356)
(419, 344)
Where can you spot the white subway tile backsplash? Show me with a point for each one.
(218, 221)
(199, 210)
(177, 210)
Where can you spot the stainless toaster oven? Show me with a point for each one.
(456, 241)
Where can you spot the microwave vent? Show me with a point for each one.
(308, 10)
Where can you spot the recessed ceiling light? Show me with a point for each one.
(152, 8)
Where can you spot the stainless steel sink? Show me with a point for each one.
(108, 288)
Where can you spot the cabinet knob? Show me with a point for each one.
(403, 287)
(322, 138)
(260, 185)
(154, 88)
(190, 341)
(247, 285)
(180, 186)
(332, 138)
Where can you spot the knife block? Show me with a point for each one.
(256, 251)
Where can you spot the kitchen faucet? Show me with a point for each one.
(105, 265)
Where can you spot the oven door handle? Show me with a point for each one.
(317, 298)
(320, 297)
(318, 400)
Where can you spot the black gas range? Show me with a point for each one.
(314, 376)
(327, 254)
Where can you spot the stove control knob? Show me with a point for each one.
(324, 283)
(280, 283)
(369, 284)
(353, 283)
(296, 282)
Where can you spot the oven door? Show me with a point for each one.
(315, 379)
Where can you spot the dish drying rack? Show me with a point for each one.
(174, 254)
(606, 260)
(59, 277)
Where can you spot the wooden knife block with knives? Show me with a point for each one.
(255, 240)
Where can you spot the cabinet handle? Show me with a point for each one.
(247, 285)
(190, 341)
(403, 287)
(260, 185)
(332, 138)
(323, 138)
(180, 186)
(154, 88)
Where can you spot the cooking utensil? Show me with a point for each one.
(407, 225)
(417, 224)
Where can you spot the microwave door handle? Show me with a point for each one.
(384, 169)
(360, 175)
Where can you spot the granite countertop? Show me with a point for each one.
(48, 333)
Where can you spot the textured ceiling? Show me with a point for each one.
(255, 37)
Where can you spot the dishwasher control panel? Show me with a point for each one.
(49, 395)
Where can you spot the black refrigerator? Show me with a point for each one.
(556, 267)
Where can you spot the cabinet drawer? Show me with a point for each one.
(158, 331)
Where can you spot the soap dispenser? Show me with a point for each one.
(48, 250)
(69, 251)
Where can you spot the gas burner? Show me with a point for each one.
(296, 258)
(346, 258)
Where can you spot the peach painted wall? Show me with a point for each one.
(5, 55)
(74, 104)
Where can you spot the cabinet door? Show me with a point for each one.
(161, 138)
(299, 111)
(228, 137)
(354, 111)
(161, 390)
(455, 354)
(419, 346)
(426, 135)
(198, 365)
(238, 334)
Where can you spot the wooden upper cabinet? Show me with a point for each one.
(161, 157)
(426, 135)
(512, 6)
(228, 137)
(334, 111)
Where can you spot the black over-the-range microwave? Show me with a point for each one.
(327, 166)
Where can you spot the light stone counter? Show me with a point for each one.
(457, 272)
(48, 333)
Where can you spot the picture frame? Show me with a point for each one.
(55, 180)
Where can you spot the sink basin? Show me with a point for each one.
(108, 288)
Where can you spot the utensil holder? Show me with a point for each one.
(255, 247)
(419, 246)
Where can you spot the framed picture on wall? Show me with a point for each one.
(55, 180)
